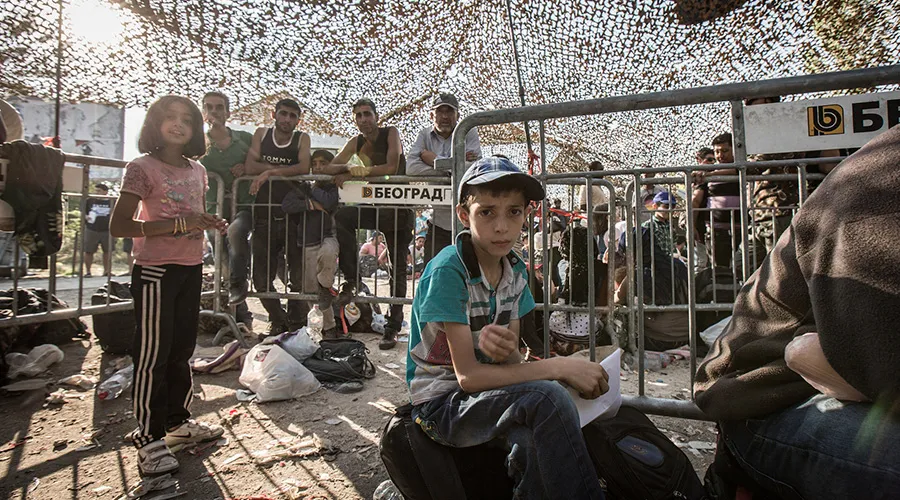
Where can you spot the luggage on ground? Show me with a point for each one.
(638, 462)
(114, 331)
(446, 473)
(340, 360)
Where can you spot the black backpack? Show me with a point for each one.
(114, 331)
(638, 462)
(447, 473)
(340, 360)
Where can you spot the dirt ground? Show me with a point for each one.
(76, 450)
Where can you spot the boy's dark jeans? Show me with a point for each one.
(547, 457)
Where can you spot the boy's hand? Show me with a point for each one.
(589, 379)
(498, 342)
(340, 179)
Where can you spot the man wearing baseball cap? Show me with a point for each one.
(657, 240)
(434, 142)
(466, 380)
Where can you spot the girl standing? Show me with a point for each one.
(167, 191)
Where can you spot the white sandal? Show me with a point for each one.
(156, 459)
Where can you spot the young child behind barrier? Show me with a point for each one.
(167, 190)
(466, 378)
(315, 235)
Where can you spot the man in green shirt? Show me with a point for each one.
(225, 153)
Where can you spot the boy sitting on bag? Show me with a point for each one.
(466, 378)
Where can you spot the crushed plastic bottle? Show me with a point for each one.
(314, 323)
(387, 491)
(114, 386)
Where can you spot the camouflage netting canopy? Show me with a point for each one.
(401, 52)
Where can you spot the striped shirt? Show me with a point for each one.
(453, 290)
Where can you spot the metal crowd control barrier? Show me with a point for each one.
(80, 310)
(395, 219)
(637, 303)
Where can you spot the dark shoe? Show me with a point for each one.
(247, 322)
(346, 387)
(237, 294)
(389, 340)
(331, 333)
(276, 328)
(325, 296)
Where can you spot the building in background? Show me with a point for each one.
(85, 128)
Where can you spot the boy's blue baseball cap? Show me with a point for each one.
(665, 197)
(494, 167)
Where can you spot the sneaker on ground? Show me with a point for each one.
(192, 431)
(156, 459)
(276, 329)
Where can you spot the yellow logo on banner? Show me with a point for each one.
(366, 192)
(825, 120)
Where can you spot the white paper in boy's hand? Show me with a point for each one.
(607, 405)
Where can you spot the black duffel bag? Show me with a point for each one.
(340, 360)
(114, 331)
(474, 473)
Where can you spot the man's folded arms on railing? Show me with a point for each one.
(466, 379)
(833, 272)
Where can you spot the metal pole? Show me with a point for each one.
(546, 259)
(592, 300)
(512, 33)
(860, 78)
(740, 155)
(59, 55)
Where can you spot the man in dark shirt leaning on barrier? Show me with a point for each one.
(381, 153)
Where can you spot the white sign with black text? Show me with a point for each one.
(819, 124)
(396, 194)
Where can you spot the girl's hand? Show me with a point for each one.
(220, 224)
(195, 220)
(203, 221)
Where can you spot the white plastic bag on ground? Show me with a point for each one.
(298, 344)
(274, 375)
(378, 323)
(713, 332)
(35, 362)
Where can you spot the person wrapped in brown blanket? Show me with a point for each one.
(836, 272)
